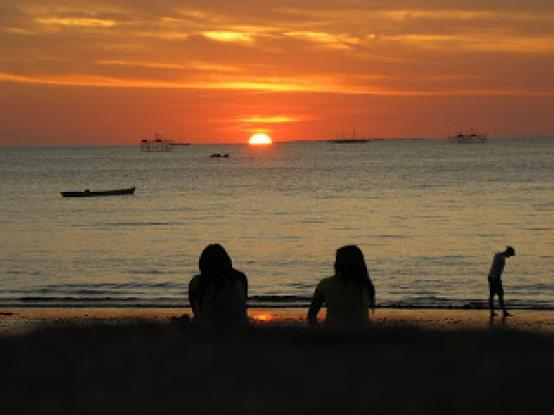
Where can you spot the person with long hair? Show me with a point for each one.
(218, 294)
(348, 295)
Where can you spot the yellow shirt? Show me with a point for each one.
(347, 304)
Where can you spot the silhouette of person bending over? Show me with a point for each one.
(495, 280)
(218, 295)
(348, 294)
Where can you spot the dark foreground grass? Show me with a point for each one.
(143, 368)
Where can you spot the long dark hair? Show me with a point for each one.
(350, 266)
(214, 260)
(215, 267)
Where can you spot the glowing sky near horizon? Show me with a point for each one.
(111, 72)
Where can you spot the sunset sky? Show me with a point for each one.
(81, 72)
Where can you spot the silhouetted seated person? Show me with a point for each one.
(348, 295)
(218, 295)
(495, 280)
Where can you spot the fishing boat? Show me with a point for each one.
(91, 193)
(353, 140)
(469, 137)
(156, 144)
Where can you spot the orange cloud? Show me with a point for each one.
(327, 39)
(18, 31)
(476, 42)
(161, 34)
(261, 84)
(273, 119)
(241, 37)
(77, 21)
(155, 65)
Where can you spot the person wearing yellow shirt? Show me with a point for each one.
(348, 295)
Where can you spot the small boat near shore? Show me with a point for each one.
(91, 193)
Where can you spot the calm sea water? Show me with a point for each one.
(428, 215)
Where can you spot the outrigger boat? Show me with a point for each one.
(90, 193)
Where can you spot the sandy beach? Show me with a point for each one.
(17, 320)
(409, 361)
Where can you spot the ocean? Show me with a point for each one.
(428, 215)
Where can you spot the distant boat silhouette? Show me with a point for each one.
(90, 193)
(156, 144)
(352, 140)
(219, 155)
(469, 137)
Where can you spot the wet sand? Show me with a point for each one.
(91, 361)
(15, 320)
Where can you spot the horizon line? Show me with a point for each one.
(291, 141)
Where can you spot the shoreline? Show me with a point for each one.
(291, 306)
(15, 320)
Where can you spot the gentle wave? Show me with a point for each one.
(261, 301)
(97, 286)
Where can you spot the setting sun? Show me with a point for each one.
(260, 138)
